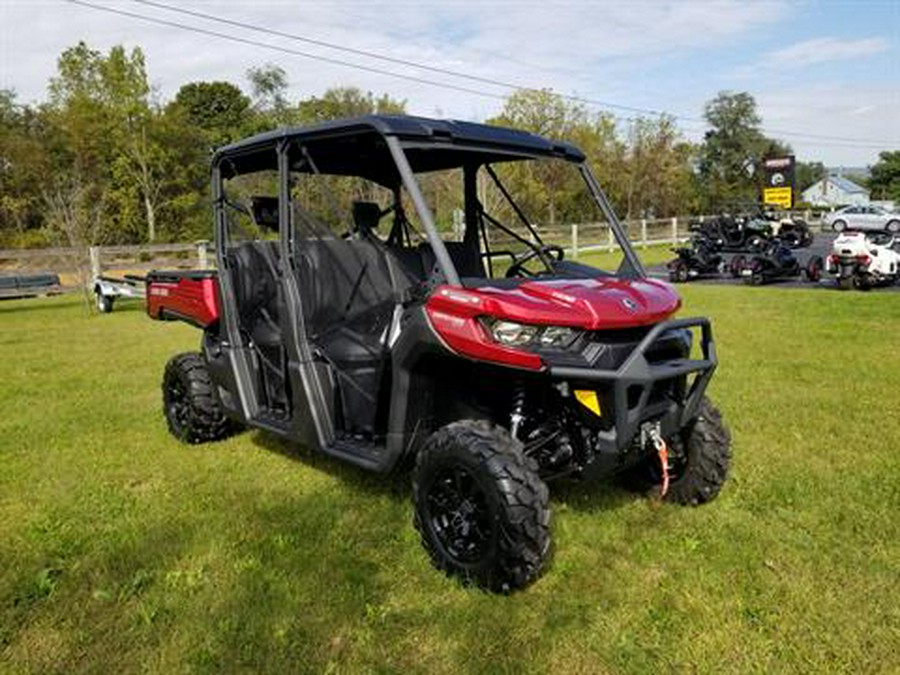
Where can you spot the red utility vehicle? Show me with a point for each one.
(479, 356)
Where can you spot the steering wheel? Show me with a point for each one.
(544, 251)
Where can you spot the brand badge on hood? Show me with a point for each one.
(629, 304)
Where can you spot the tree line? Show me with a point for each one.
(102, 160)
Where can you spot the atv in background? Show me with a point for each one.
(774, 263)
(792, 230)
(749, 230)
(354, 328)
(864, 260)
(698, 259)
(735, 233)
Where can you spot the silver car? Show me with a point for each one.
(862, 217)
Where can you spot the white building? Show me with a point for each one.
(835, 191)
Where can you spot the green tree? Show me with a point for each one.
(339, 102)
(101, 103)
(219, 109)
(657, 170)
(546, 188)
(24, 163)
(269, 84)
(733, 150)
(884, 181)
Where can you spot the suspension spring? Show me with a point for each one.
(517, 416)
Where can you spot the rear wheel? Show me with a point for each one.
(813, 270)
(755, 278)
(679, 272)
(480, 507)
(190, 403)
(893, 226)
(864, 282)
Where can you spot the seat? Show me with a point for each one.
(465, 257)
(349, 298)
(258, 298)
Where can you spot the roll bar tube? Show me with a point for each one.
(412, 186)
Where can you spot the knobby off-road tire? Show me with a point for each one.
(481, 509)
(701, 471)
(190, 403)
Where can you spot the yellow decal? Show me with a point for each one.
(588, 398)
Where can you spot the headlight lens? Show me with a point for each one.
(512, 334)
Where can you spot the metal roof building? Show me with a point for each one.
(835, 191)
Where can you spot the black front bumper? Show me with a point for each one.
(630, 390)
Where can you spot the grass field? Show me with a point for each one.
(123, 551)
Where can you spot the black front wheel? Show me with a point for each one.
(481, 509)
(190, 403)
(699, 458)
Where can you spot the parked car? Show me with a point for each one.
(864, 260)
(862, 217)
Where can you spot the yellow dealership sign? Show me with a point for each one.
(778, 188)
(780, 196)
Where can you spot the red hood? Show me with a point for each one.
(592, 304)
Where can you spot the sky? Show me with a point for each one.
(825, 75)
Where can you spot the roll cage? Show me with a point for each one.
(390, 151)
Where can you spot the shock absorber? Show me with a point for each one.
(517, 416)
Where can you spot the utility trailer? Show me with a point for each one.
(108, 289)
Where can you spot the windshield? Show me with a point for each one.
(527, 216)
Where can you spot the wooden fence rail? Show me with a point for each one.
(576, 238)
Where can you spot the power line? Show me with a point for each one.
(285, 50)
(382, 57)
(836, 141)
(308, 55)
(470, 77)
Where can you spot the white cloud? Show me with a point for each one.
(822, 50)
(828, 110)
(606, 51)
(592, 48)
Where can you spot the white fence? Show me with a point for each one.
(575, 238)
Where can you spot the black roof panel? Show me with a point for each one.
(419, 131)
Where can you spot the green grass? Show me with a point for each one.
(123, 551)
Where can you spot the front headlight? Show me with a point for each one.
(512, 334)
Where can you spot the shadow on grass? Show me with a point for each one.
(584, 495)
(396, 484)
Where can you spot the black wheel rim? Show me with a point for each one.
(459, 516)
(177, 409)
